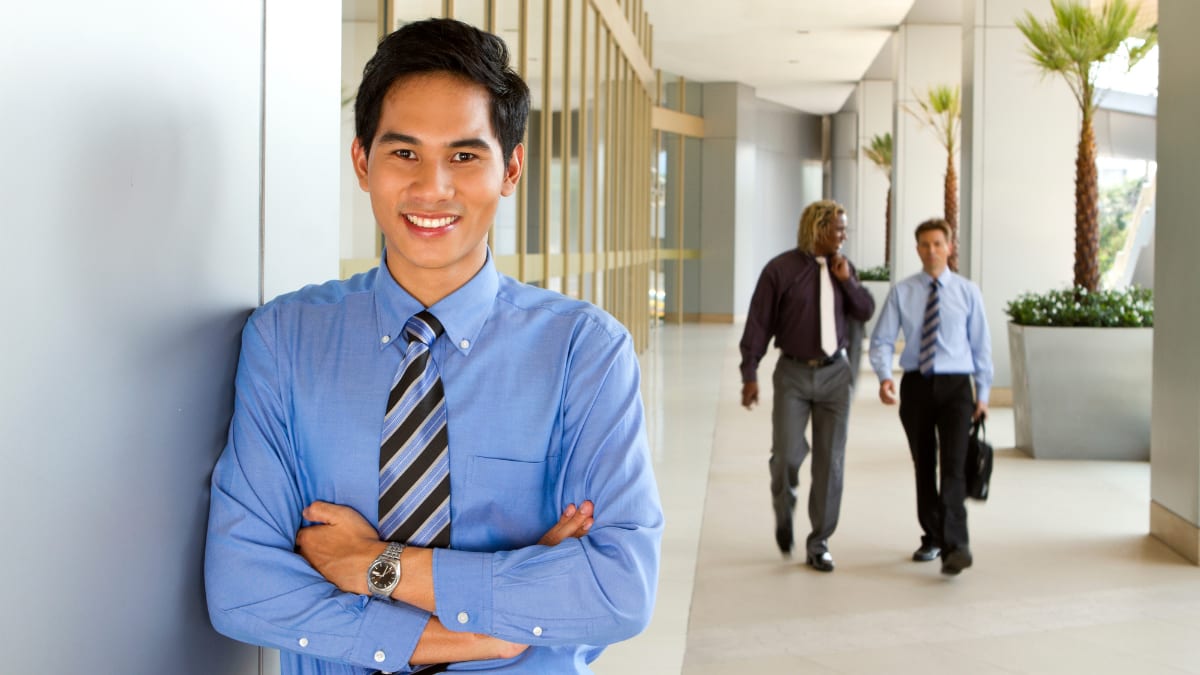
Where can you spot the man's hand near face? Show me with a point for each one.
(840, 266)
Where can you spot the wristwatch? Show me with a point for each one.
(384, 573)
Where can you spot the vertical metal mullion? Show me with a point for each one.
(522, 187)
(582, 142)
(596, 166)
(547, 138)
(565, 143)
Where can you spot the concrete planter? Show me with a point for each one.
(879, 291)
(1081, 393)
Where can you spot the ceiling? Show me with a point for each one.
(804, 54)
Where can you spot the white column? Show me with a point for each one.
(1020, 131)
(1175, 432)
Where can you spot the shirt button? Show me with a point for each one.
(463, 617)
(465, 344)
(385, 339)
(537, 631)
(303, 642)
(380, 657)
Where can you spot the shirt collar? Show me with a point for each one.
(942, 280)
(462, 313)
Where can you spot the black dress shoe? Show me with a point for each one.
(783, 537)
(821, 562)
(926, 553)
(956, 561)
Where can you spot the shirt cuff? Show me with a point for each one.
(982, 392)
(462, 584)
(390, 633)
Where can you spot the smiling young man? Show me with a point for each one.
(805, 298)
(946, 344)
(409, 446)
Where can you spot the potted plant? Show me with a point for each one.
(877, 281)
(1081, 358)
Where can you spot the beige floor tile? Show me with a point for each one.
(1066, 578)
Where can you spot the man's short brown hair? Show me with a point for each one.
(933, 224)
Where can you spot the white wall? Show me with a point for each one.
(926, 55)
(1020, 133)
(131, 212)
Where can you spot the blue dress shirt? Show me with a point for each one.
(544, 407)
(964, 345)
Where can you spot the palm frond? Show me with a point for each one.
(880, 151)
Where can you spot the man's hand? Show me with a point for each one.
(840, 266)
(574, 522)
(341, 546)
(887, 392)
(749, 394)
(981, 409)
(441, 645)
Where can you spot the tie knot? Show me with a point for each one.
(934, 285)
(423, 327)
(820, 260)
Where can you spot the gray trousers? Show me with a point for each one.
(823, 394)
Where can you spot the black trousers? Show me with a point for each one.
(936, 414)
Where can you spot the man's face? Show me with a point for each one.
(934, 251)
(832, 237)
(435, 174)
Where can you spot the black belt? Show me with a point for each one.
(817, 363)
(439, 668)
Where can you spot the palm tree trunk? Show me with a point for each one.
(887, 223)
(950, 199)
(1087, 214)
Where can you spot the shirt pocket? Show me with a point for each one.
(509, 496)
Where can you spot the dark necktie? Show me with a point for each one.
(414, 465)
(929, 331)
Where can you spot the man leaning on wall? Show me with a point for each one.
(432, 466)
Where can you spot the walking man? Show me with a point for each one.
(804, 299)
(946, 345)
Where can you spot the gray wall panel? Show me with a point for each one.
(129, 204)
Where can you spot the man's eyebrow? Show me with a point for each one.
(470, 143)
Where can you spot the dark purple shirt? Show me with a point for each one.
(786, 305)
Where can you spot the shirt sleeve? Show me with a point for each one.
(259, 590)
(859, 305)
(598, 589)
(759, 320)
(883, 337)
(981, 345)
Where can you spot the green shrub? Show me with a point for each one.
(1132, 307)
(880, 273)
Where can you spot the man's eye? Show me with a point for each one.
(404, 154)
(463, 156)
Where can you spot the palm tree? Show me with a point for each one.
(880, 153)
(1072, 45)
(941, 110)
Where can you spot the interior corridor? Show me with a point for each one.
(1066, 578)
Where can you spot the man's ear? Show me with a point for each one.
(358, 158)
(512, 171)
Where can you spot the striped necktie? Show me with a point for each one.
(414, 464)
(929, 331)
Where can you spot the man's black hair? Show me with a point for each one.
(444, 45)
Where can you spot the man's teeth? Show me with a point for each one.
(430, 223)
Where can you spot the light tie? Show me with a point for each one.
(829, 341)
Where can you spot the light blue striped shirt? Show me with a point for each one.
(544, 410)
(964, 345)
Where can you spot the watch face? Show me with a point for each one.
(383, 575)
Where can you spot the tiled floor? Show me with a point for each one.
(1066, 579)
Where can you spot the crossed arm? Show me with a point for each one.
(342, 545)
